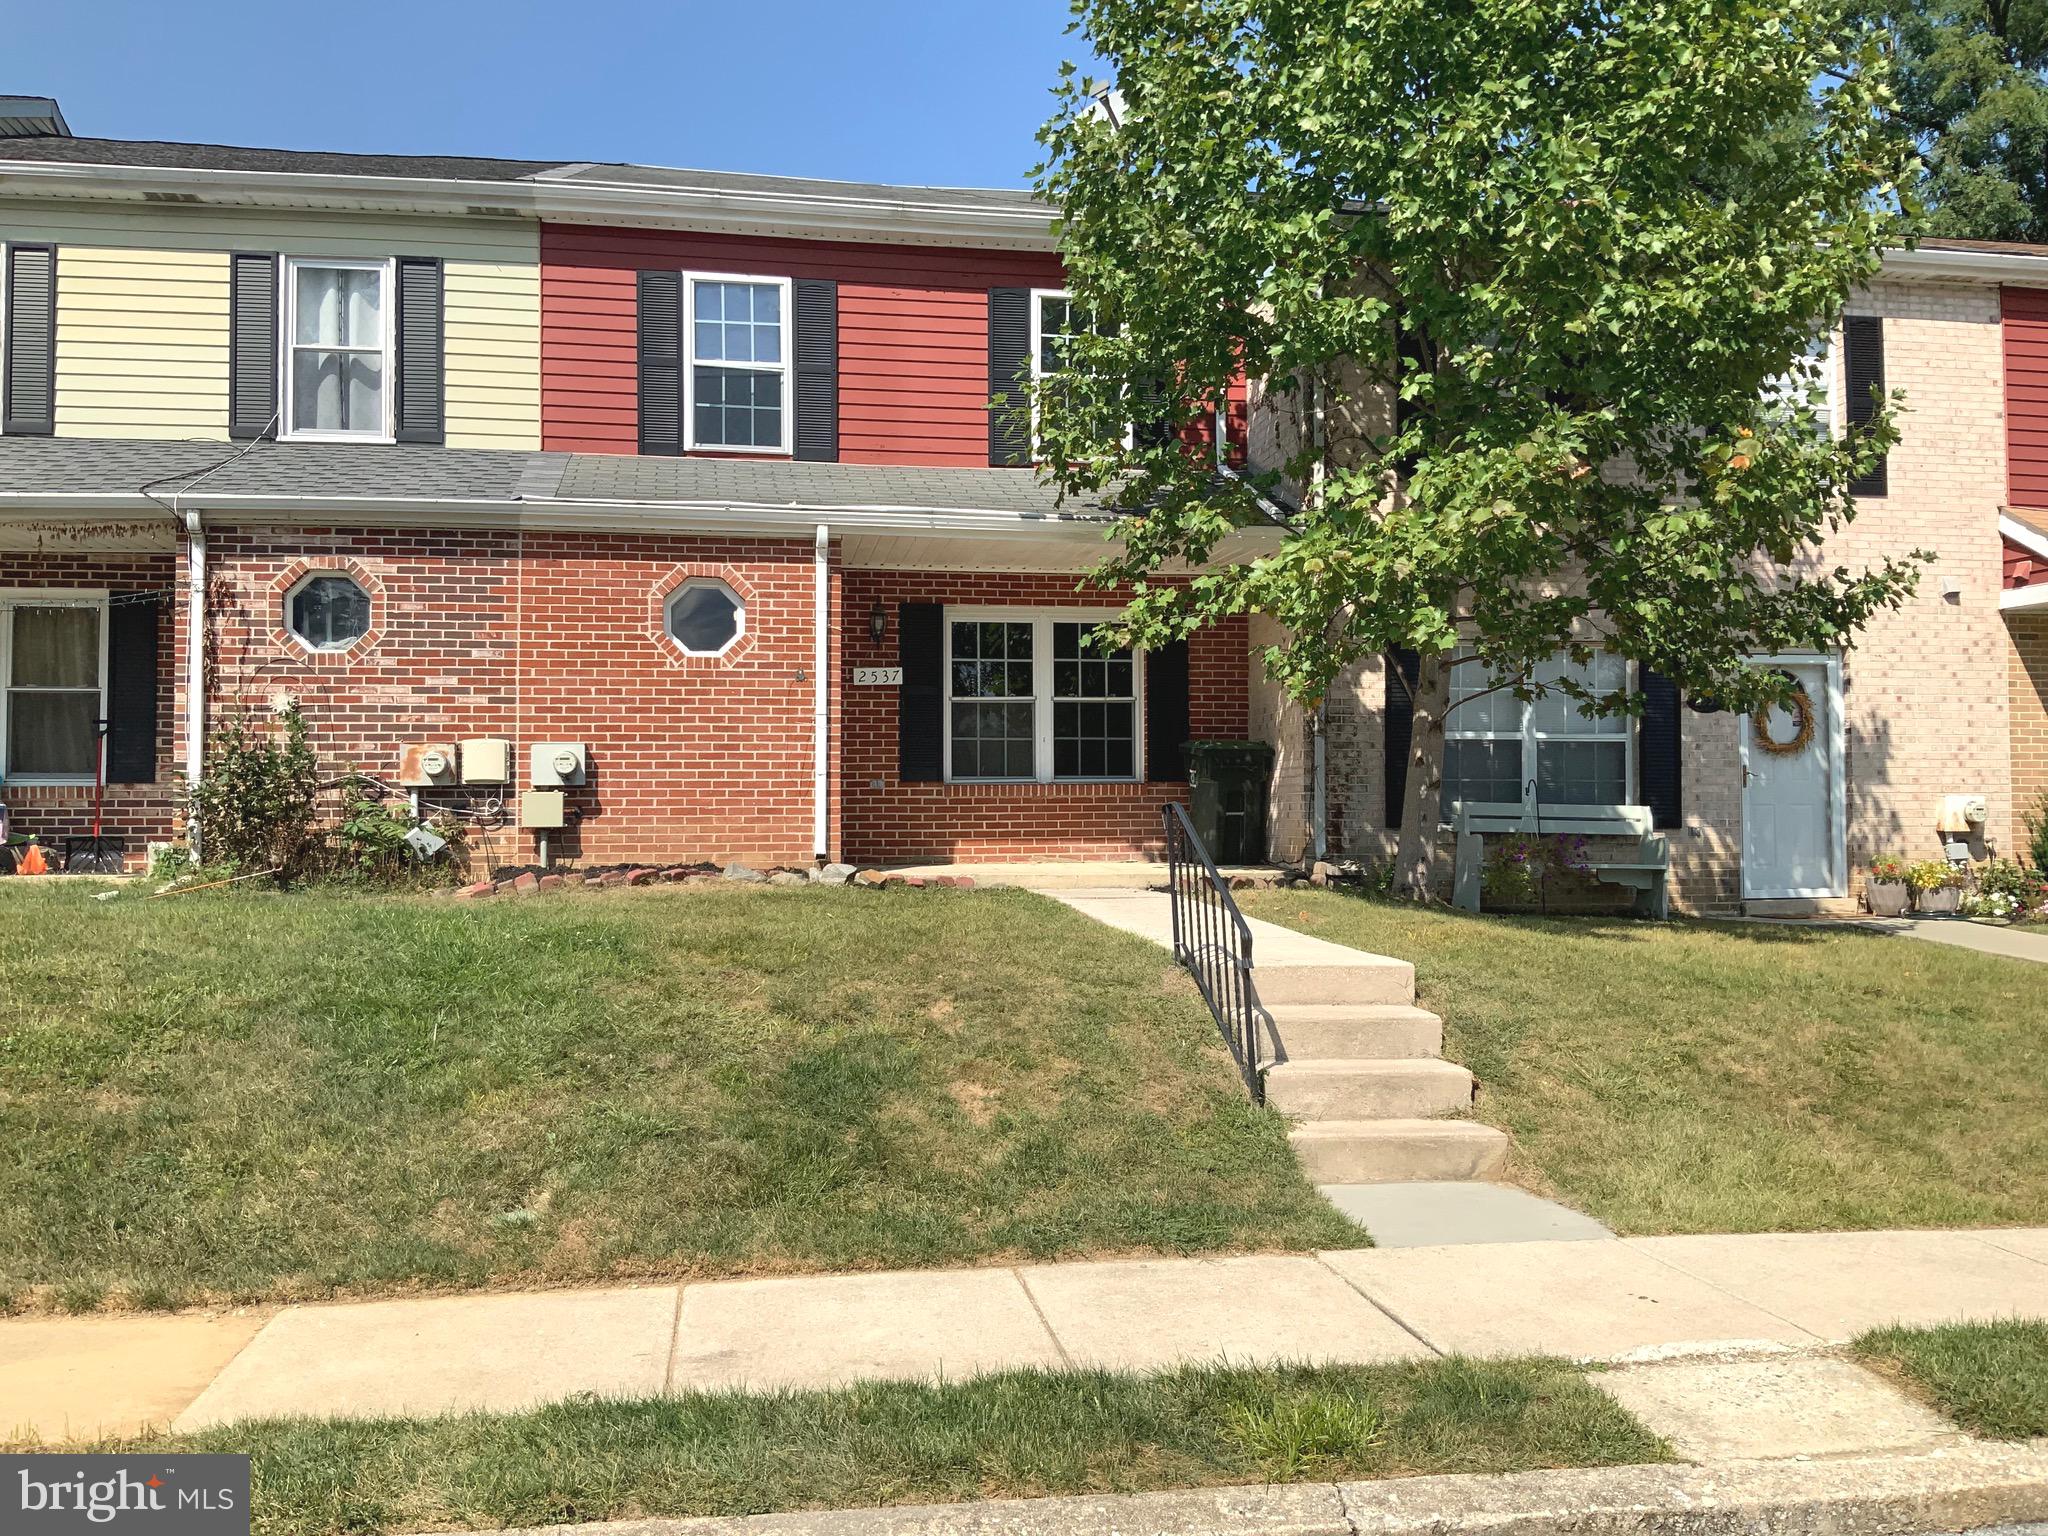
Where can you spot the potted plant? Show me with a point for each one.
(1886, 890)
(1937, 887)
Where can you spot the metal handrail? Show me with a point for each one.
(1213, 940)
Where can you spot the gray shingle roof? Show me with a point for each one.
(33, 466)
(157, 154)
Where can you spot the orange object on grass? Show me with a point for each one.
(32, 861)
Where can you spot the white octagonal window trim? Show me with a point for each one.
(704, 617)
(327, 610)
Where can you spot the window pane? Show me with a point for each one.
(53, 733)
(1488, 771)
(337, 392)
(57, 648)
(993, 741)
(739, 323)
(1094, 740)
(736, 409)
(704, 619)
(329, 612)
(1582, 772)
(339, 307)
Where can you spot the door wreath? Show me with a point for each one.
(1801, 706)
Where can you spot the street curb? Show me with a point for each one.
(1954, 1489)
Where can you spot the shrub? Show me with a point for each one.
(2037, 834)
(370, 843)
(2006, 889)
(253, 808)
(1517, 868)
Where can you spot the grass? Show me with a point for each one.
(259, 1096)
(1990, 1378)
(1018, 1434)
(1715, 1077)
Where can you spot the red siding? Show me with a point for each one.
(2026, 395)
(2023, 568)
(913, 334)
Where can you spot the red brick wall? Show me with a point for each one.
(913, 334)
(137, 813)
(887, 820)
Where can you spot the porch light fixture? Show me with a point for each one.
(878, 623)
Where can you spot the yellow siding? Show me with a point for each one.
(493, 353)
(142, 343)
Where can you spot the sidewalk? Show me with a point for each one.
(1632, 1299)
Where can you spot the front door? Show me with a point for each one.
(1791, 801)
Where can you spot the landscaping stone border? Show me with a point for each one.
(536, 882)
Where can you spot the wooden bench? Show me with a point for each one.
(1645, 869)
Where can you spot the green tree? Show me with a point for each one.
(1972, 82)
(1574, 237)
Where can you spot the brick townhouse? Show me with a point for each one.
(679, 496)
(676, 495)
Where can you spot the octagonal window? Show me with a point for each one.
(328, 612)
(705, 618)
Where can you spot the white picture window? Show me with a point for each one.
(337, 344)
(1029, 700)
(738, 370)
(1499, 750)
(706, 618)
(327, 611)
(53, 661)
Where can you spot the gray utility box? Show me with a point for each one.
(1227, 789)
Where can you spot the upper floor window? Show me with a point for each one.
(738, 364)
(338, 349)
(1499, 749)
(1057, 322)
(53, 664)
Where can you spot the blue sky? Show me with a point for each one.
(948, 92)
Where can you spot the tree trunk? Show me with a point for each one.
(1422, 799)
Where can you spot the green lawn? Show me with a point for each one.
(239, 1096)
(1991, 1378)
(1719, 1077)
(1014, 1435)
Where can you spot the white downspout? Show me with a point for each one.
(195, 658)
(821, 691)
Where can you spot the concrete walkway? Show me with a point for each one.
(1631, 1299)
(2029, 943)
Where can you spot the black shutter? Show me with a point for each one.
(1151, 414)
(1009, 355)
(1166, 714)
(422, 415)
(1658, 764)
(1863, 374)
(921, 704)
(30, 361)
(252, 345)
(132, 658)
(816, 301)
(1402, 669)
(661, 362)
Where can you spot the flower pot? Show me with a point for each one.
(1888, 898)
(1942, 901)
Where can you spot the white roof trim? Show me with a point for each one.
(2029, 539)
(906, 218)
(2016, 267)
(2035, 596)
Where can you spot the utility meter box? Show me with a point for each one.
(426, 764)
(540, 808)
(558, 763)
(486, 760)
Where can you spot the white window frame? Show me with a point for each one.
(699, 584)
(1038, 298)
(785, 368)
(1042, 621)
(1532, 742)
(387, 314)
(328, 573)
(45, 597)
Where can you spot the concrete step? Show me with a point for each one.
(1383, 1151)
(1361, 1031)
(1351, 1088)
(1370, 979)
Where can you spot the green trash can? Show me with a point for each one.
(1227, 789)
